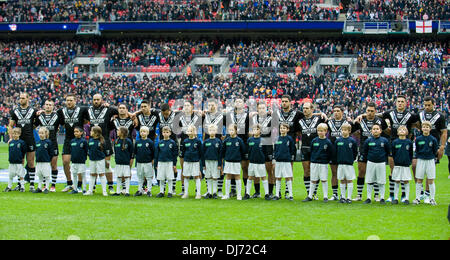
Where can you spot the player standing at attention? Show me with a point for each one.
(144, 150)
(376, 149)
(307, 129)
(51, 121)
(284, 155)
(192, 152)
(264, 120)
(96, 159)
(364, 124)
(346, 150)
(402, 153)
(322, 151)
(438, 131)
(71, 116)
(123, 149)
(335, 126)
(212, 161)
(166, 153)
(44, 152)
(78, 156)
(257, 157)
(24, 117)
(426, 152)
(233, 153)
(17, 150)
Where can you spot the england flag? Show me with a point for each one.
(424, 27)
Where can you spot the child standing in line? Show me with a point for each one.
(233, 153)
(96, 160)
(322, 150)
(376, 149)
(17, 150)
(144, 150)
(44, 154)
(123, 150)
(257, 166)
(192, 152)
(402, 153)
(426, 153)
(166, 154)
(212, 162)
(78, 156)
(346, 153)
(284, 154)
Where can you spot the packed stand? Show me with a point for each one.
(161, 10)
(385, 10)
(126, 55)
(32, 55)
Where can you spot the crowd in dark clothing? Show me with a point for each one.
(385, 10)
(164, 10)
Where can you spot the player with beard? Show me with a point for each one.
(71, 116)
(307, 129)
(364, 125)
(149, 118)
(50, 120)
(101, 115)
(24, 116)
(438, 131)
(335, 127)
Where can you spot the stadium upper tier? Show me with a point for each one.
(165, 10)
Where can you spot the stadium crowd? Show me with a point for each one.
(325, 90)
(127, 54)
(384, 10)
(161, 10)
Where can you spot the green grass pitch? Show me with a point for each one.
(62, 216)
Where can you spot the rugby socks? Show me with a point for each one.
(162, 186)
(271, 188)
(406, 185)
(74, 178)
(32, 172)
(307, 181)
(170, 187)
(209, 186)
(55, 177)
(360, 186)
(238, 188)
(335, 190)
(376, 189)
(227, 187)
(391, 186)
(311, 190)
(418, 190)
(103, 181)
(92, 183)
(257, 188)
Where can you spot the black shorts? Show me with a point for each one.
(268, 153)
(55, 148)
(306, 153)
(66, 147)
(361, 157)
(108, 149)
(31, 144)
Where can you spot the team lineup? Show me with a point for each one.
(254, 138)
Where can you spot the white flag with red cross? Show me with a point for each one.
(424, 27)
